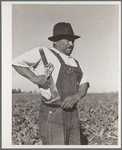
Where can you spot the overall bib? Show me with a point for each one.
(56, 125)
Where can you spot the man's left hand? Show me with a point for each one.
(70, 101)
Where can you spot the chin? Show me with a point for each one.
(69, 52)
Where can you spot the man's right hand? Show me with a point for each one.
(41, 81)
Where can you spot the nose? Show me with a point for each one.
(71, 43)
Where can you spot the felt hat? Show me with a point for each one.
(62, 30)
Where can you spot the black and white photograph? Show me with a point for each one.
(61, 69)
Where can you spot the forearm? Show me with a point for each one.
(82, 90)
(26, 72)
(71, 100)
(40, 80)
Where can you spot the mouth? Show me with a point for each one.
(70, 48)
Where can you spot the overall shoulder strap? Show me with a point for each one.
(77, 63)
(58, 56)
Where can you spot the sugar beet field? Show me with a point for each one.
(98, 115)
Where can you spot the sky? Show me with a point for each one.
(97, 50)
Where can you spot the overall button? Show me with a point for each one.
(50, 112)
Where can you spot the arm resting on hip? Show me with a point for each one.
(40, 80)
(25, 72)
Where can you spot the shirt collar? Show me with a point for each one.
(62, 54)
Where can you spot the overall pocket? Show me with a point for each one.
(55, 127)
(55, 117)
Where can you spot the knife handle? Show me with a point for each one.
(43, 57)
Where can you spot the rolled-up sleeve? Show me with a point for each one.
(84, 77)
(27, 59)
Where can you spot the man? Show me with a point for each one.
(58, 121)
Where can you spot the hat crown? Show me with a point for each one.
(63, 28)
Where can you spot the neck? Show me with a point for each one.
(57, 48)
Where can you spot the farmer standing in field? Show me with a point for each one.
(62, 84)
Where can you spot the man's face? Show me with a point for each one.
(65, 46)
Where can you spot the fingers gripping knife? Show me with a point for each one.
(55, 98)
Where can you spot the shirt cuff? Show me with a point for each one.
(84, 79)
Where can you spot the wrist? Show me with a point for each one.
(78, 97)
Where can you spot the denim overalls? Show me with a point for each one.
(58, 126)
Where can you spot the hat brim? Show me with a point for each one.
(63, 36)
